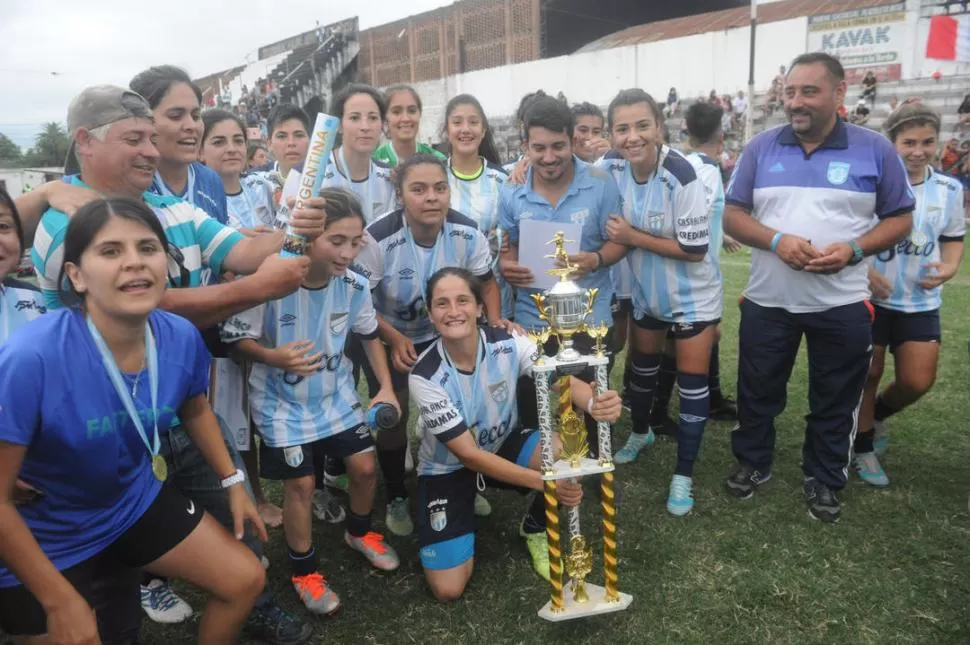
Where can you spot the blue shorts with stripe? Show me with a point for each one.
(446, 506)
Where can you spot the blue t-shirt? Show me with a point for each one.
(83, 452)
(590, 200)
(204, 190)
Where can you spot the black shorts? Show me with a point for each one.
(273, 463)
(892, 328)
(109, 580)
(680, 331)
(446, 506)
(622, 306)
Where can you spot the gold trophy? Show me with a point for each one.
(565, 308)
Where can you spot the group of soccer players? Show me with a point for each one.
(412, 278)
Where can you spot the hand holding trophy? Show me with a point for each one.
(565, 308)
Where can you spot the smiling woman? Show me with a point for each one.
(403, 121)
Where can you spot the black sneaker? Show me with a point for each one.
(744, 480)
(723, 409)
(822, 503)
(272, 624)
(663, 425)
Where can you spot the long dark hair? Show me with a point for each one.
(416, 160)
(7, 201)
(487, 147)
(212, 118)
(475, 285)
(155, 82)
(90, 219)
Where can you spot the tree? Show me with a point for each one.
(11, 156)
(50, 147)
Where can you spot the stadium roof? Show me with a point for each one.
(726, 19)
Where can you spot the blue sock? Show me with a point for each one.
(644, 370)
(303, 564)
(695, 400)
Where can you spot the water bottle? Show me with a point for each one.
(382, 416)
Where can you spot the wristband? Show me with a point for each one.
(599, 259)
(589, 405)
(775, 240)
(236, 478)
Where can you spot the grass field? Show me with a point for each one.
(756, 571)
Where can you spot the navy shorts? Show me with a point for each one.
(446, 506)
(622, 306)
(680, 331)
(892, 328)
(279, 464)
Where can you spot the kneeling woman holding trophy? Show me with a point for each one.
(465, 387)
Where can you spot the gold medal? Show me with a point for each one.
(160, 468)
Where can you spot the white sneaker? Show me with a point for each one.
(162, 604)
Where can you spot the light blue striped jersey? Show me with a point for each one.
(376, 193)
(20, 302)
(671, 205)
(291, 410)
(590, 200)
(939, 217)
(253, 205)
(478, 199)
(398, 269)
(203, 242)
(489, 393)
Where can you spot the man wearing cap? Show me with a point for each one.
(812, 199)
(112, 150)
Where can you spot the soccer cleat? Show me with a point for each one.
(724, 409)
(822, 502)
(867, 466)
(327, 508)
(316, 594)
(680, 500)
(538, 548)
(270, 623)
(162, 604)
(634, 445)
(372, 546)
(745, 480)
(398, 518)
(338, 482)
(880, 438)
(482, 507)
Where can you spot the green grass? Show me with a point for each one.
(756, 571)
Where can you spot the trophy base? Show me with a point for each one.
(596, 605)
(561, 469)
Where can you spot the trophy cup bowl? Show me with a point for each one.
(567, 309)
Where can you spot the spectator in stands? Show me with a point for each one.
(670, 108)
(773, 99)
(951, 159)
(401, 127)
(869, 88)
(893, 103)
(257, 155)
(714, 99)
(589, 144)
(739, 106)
(860, 114)
(964, 110)
(727, 113)
(562, 98)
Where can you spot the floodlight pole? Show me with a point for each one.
(749, 116)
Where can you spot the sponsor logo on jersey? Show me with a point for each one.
(406, 274)
(288, 320)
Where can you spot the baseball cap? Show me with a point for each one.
(97, 106)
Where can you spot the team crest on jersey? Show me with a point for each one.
(579, 217)
(655, 220)
(838, 172)
(338, 322)
(499, 392)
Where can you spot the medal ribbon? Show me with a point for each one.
(114, 374)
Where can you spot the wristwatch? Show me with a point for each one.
(236, 478)
(857, 254)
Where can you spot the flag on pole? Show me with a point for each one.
(949, 38)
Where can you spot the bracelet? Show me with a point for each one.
(775, 240)
(236, 478)
(599, 259)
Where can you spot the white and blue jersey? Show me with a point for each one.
(202, 242)
(376, 193)
(937, 219)
(253, 205)
(478, 199)
(837, 193)
(204, 189)
(291, 410)
(84, 453)
(399, 269)
(20, 302)
(672, 205)
(590, 200)
(450, 402)
(709, 172)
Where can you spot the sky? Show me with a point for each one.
(50, 51)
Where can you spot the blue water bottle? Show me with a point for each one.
(382, 416)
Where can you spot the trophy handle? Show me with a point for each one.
(540, 301)
(591, 297)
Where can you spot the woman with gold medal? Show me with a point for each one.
(83, 392)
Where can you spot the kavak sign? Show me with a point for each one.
(863, 39)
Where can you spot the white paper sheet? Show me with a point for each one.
(533, 249)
